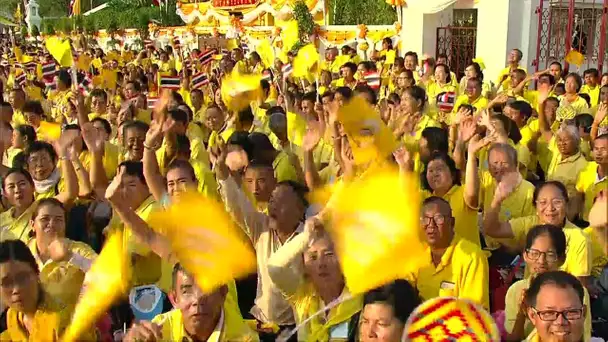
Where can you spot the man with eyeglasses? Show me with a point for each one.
(454, 267)
(555, 306)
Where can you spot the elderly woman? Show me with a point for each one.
(545, 252)
(550, 200)
(474, 71)
(321, 284)
(33, 314)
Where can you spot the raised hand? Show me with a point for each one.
(403, 157)
(602, 111)
(506, 186)
(312, 136)
(58, 250)
(467, 129)
(92, 138)
(462, 114)
(477, 143)
(67, 138)
(112, 191)
(144, 331)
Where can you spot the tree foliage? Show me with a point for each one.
(355, 12)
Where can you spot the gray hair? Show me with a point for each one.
(507, 149)
(570, 130)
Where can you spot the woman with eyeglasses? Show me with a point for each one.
(550, 200)
(545, 252)
(556, 306)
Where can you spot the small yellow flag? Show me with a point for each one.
(60, 50)
(109, 78)
(390, 57)
(368, 135)
(306, 61)
(84, 62)
(238, 91)
(266, 53)
(49, 131)
(205, 240)
(575, 57)
(290, 35)
(108, 280)
(374, 223)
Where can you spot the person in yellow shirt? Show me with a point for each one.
(556, 70)
(22, 137)
(474, 71)
(473, 95)
(286, 165)
(454, 267)
(550, 200)
(198, 316)
(33, 314)
(386, 310)
(62, 262)
(592, 179)
(320, 282)
(16, 98)
(442, 83)
(99, 104)
(197, 101)
(545, 252)
(504, 81)
(348, 72)
(441, 178)
(591, 87)
(555, 303)
(59, 99)
(571, 98)
(18, 189)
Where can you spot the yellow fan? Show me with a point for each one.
(238, 91)
(207, 244)
(60, 50)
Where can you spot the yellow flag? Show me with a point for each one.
(390, 57)
(238, 91)
(375, 227)
(113, 56)
(290, 35)
(109, 280)
(49, 131)
(18, 54)
(368, 135)
(266, 53)
(306, 61)
(60, 50)
(84, 62)
(575, 57)
(109, 78)
(342, 59)
(205, 240)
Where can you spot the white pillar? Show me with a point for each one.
(419, 31)
(503, 25)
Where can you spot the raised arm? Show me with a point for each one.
(543, 123)
(96, 145)
(310, 142)
(67, 169)
(466, 130)
(471, 190)
(492, 226)
(152, 173)
(84, 184)
(600, 115)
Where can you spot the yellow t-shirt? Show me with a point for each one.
(579, 105)
(284, 169)
(598, 257)
(590, 185)
(11, 152)
(63, 280)
(594, 93)
(563, 170)
(506, 84)
(466, 218)
(479, 103)
(109, 160)
(411, 141)
(462, 273)
(433, 89)
(512, 305)
(16, 228)
(18, 118)
(578, 248)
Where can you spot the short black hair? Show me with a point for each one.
(591, 71)
(136, 85)
(246, 115)
(106, 125)
(99, 93)
(27, 131)
(260, 142)
(365, 89)
(586, 97)
(419, 94)
(412, 54)
(310, 97)
(182, 165)
(437, 139)
(134, 168)
(558, 238)
(329, 94)
(176, 269)
(241, 139)
(17, 250)
(134, 124)
(37, 146)
(20, 171)
(178, 115)
(346, 92)
(352, 66)
(64, 77)
(182, 144)
(559, 279)
(559, 185)
(34, 107)
(300, 190)
(447, 71)
(448, 161)
(585, 121)
(577, 78)
(399, 294)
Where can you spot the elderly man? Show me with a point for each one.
(454, 267)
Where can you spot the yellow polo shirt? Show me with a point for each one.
(284, 170)
(466, 218)
(109, 160)
(599, 257)
(18, 228)
(411, 141)
(579, 105)
(594, 93)
(479, 103)
(506, 84)
(513, 299)
(18, 118)
(578, 248)
(563, 170)
(462, 273)
(590, 185)
(63, 280)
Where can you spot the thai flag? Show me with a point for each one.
(446, 100)
(199, 80)
(49, 84)
(267, 75)
(20, 79)
(170, 82)
(206, 57)
(373, 79)
(152, 102)
(49, 69)
(287, 70)
(85, 85)
(30, 65)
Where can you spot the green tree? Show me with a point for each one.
(34, 31)
(355, 12)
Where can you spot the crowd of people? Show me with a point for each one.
(512, 176)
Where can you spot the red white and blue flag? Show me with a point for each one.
(170, 82)
(287, 70)
(206, 57)
(373, 79)
(199, 80)
(49, 69)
